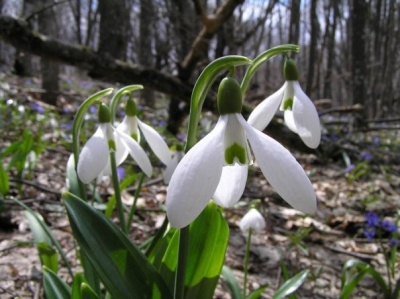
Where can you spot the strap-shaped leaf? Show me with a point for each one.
(121, 266)
(54, 287)
(291, 285)
(362, 268)
(208, 240)
(4, 181)
(232, 283)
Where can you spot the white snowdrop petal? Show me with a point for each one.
(306, 118)
(195, 179)
(252, 219)
(156, 142)
(171, 166)
(262, 115)
(137, 153)
(93, 157)
(282, 171)
(231, 185)
(289, 121)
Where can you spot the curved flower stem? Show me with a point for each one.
(135, 198)
(117, 192)
(179, 290)
(261, 59)
(246, 263)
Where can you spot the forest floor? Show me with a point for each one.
(322, 243)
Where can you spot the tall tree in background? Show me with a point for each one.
(294, 26)
(330, 40)
(114, 28)
(358, 16)
(313, 52)
(145, 55)
(47, 21)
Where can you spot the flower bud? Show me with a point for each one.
(229, 99)
(252, 220)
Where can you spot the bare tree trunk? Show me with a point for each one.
(330, 52)
(315, 32)
(145, 49)
(49, 69)
(294, 26)
(358, 14)
(114, 28)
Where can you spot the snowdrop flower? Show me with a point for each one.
(130, 125)
(94, 158)
(300, 114)
(252, 220)
(202, 169)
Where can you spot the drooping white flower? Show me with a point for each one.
(130, 125)
(300, 114)
(202, 169)
(94, 158)
(252, 220)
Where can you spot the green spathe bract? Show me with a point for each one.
(229, 98)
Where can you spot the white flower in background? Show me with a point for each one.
(300, 114)
(206, 166)
(252, 220)
(171, 166)
(130, 125)
(94, 158)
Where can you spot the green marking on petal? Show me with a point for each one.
(111, 145)
(235, 151)
(288, 104)
(135, 137)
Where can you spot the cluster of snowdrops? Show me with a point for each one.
(185, 258)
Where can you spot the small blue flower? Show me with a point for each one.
(377, 141)
(36, 107)
(366, 156)
(93, 109)
(121, 173)
(372, 219)
(349, 168)
(389, 226)
(393, 242)
(369, 233)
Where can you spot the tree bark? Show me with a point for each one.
(294, 26)
(18, 33)
(49, 69)
(312, 58)
(358, 18)
(114, 28)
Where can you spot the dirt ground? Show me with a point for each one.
(321, 243)
(334, 233)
